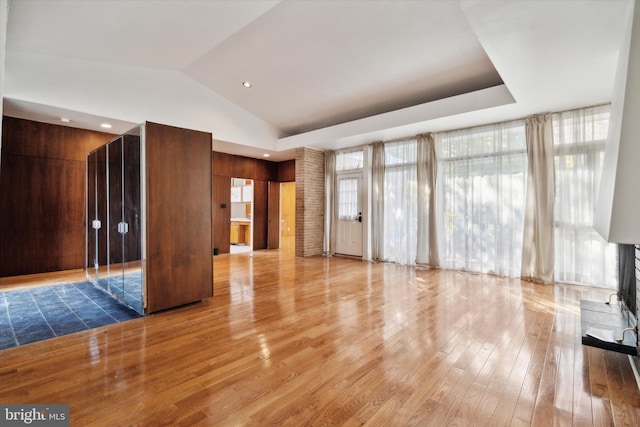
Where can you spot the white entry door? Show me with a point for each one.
(349, 205)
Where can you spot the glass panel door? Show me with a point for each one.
(349, 205)
(115, 209)
(114, 219)
(92, 219)
(131, 221)
(101, 264)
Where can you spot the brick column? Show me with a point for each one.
(309, 202)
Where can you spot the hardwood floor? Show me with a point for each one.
(315, 341)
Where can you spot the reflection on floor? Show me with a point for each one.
(240, 249)
(127, 289)
(37, 314)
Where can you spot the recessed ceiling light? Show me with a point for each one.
(106, 125)
(266, 155)
(65, 119)
(246, 84)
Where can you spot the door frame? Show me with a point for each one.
(359, 174)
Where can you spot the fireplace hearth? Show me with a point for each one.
(604, 323)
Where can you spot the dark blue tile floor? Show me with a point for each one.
(32, 315)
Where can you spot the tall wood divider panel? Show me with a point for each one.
(179, 263)
(149, 217)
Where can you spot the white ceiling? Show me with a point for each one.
(315, 64)
(325, 74)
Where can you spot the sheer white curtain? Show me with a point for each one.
(581, 255)
(480, 198)
(400, 202)
(377, 201)
(348, 199)
(538, 252)
(329, 244)
(427, 167)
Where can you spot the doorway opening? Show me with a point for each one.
(241, 240)
(288, 217)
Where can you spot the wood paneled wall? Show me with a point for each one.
(244, 167)
(263, 173)
(42, 196)
(287, 171)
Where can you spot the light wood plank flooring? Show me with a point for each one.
(316, 341)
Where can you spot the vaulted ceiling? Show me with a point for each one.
(324, 74)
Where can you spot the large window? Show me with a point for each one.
(349, 167)
(400, 202)
(349, 161)
(581, 255)
(480, 198)
(481, 186)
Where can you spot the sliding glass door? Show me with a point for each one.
(116, 227)
(114, 236)
(131, 231)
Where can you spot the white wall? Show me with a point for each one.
(4, 15)
(133, 94)
(238, 210)
(617, 216)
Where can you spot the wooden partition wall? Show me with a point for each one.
(42, 204)
(178, 180)
(266, 200)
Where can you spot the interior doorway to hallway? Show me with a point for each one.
(241, 240)
(288, 217)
